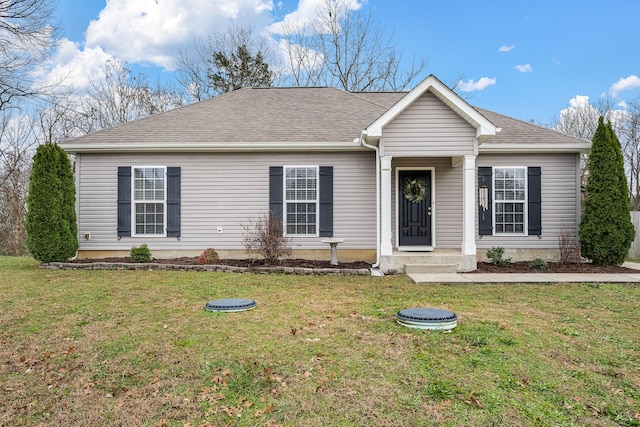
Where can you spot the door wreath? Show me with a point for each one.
(414, 189)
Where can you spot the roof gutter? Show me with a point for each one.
(363, 143)
(511, 148)
(182, 147)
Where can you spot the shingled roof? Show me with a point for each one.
(514, 131)
(257, 115)
(284, 115)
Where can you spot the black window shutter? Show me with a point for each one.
(124, 201)
(534, 193)
(275, 191)
(173, 201)
(326, 201)
(485, 201)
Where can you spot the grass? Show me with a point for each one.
(138, 348)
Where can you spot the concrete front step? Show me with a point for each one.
(429, 268)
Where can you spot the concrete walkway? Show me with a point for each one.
(529, 277)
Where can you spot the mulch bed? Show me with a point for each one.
(483, 267)
(552, 267)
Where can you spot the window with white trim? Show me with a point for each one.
(510, 197)
(149, 200)
(301, 200)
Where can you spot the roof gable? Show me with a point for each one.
(431, 84)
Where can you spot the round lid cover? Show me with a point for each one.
(427, 315)
(231, 304)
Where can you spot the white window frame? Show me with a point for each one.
(286, 202)
(135, 202)
(524, 202)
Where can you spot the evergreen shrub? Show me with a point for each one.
(52, 232)
(606, 231)
(141, 254)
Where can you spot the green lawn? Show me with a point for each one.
(137, 348)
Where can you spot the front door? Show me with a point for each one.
(414, 208)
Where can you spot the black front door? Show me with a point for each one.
(414, 208)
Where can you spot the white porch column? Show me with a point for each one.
(468, 205)
(386, 248)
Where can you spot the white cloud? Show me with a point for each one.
(72, 68)
(622, 105)
(149, 31)
(470, 85)
(306, 15)
(580, 101)
(628, 83)
(525, 68)
(505, 48)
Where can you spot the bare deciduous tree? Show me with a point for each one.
(25, 39)
(17, 140)
(345, 48)
(581, 120)
(628, 131)
(122, 97)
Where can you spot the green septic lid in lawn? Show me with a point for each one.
(427, 318)
(231, 305)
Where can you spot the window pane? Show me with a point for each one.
(149, 218)
(300, 196)
(148, 184)
(301, 218)
(509, 217)
(509, 196)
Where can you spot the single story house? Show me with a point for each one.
(405, 178)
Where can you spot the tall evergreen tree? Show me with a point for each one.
(239, 69)
(606, 231)
(52, 233)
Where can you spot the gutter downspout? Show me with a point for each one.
(374, 268)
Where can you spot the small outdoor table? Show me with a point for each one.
(333, 242)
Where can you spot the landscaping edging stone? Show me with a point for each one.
(203, 267)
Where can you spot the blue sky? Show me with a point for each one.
(525, 59)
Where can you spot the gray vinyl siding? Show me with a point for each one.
(560, 198)
(428, 128)
(224, 190)
(448, 199)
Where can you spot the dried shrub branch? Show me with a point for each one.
(568, 246)
(265, 236)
